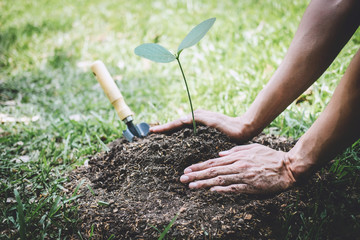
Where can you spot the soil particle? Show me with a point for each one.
(133, 192)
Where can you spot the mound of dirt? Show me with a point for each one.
(133, 192)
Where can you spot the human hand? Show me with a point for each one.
(234, 127)
(252, 169)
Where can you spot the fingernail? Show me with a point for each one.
(192, 185)
(187, 170)
(184, 178)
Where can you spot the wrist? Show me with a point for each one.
(248, 128)
(300, 161)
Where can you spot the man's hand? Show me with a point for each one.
(253, 169)
(234, 127)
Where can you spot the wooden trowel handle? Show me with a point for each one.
(111, 90)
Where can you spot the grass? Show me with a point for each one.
(45, 51)
(162, 234)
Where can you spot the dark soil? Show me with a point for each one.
(133, 192)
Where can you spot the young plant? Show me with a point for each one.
(158, 53)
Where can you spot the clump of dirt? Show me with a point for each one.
(133, 192)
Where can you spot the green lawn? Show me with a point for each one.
(54, 115)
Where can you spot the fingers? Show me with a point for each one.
(233, 183)
(209, 164)
(225, 158)
(252, 169)
(172, 125)
(222, 180)
(201, 116)
(237, 188)
(207, 173)
(237, 149)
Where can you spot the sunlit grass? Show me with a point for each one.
(46, 48)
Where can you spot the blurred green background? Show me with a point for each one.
(54, 115)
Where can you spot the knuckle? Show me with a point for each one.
(212, 172)
(250, 175)
(184, 119)
(211, 163)
(234, 188)
(221, 180)
(240, 166)
(250, 188)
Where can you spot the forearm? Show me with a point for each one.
(325, 28)
(336, 128)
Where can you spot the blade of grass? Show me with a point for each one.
(91, 232)
(78, 187)
(111, 237)
(55, 207)
(103, 203)
(90, 189)
(104, 147)
(21, 216)
(72, 199)
(166, 230)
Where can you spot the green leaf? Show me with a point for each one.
(103, 203)
(112, 236)
(154, 52)
(91, 190)
(196, 34)
(163, 234)
(20, 215)
(81, 182)
(104, 147)
(72, 199)
(55, 207)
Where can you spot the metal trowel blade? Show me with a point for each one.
(142, 130)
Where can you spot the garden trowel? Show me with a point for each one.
(114, 95)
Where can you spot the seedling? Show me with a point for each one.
(158, 53)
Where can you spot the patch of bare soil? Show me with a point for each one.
(133, 192)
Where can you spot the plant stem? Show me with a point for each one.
(188, 92)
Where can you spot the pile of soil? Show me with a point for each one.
(133, 192)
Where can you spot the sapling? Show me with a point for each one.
(158, 53)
